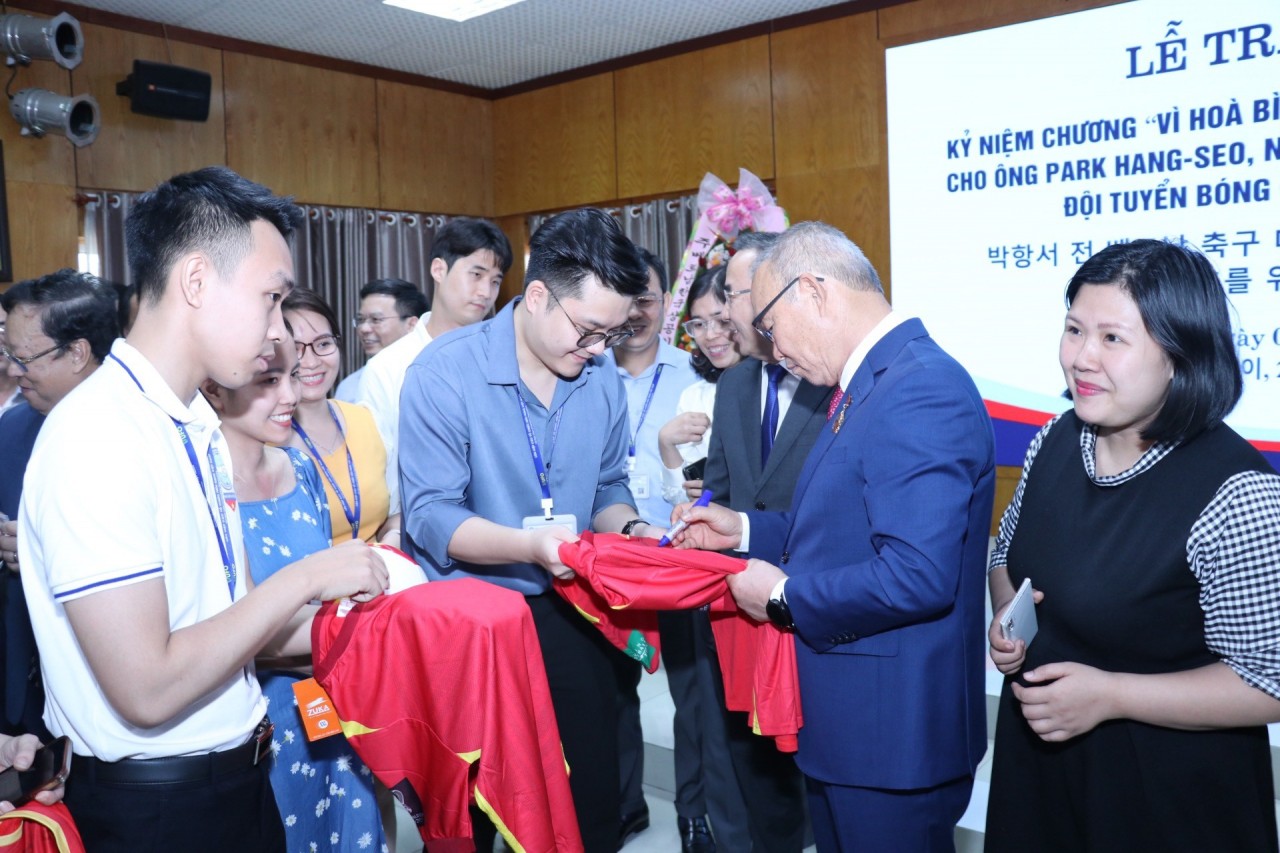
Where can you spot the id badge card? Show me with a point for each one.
(560, 519)
(639, 484)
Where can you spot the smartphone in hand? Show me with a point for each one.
(1019, 619)
(48, 770)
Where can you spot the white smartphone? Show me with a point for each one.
(1019, 619)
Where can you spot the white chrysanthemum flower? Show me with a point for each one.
(267, 540)
(365, 840)
(297, 514)
(297, 765)
(288, 736)
(275, 747)
(333, 789)
(267, 510)
(357, 803)
(333, 839)
(285, 551)
(291, 820)
(266, 550)
(253, 524)
(343, 764)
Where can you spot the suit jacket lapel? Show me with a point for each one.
(751, 420)
(860, 387)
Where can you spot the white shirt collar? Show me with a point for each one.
(887, 324)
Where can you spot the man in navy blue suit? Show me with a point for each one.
(878, 566)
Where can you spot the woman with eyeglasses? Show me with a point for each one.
(324, 792)
(341, 438)
(683, 440)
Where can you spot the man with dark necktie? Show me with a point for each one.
(759, 405)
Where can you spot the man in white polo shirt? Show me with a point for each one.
(133, 565)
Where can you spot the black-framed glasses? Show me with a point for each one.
(758, 322)
(321, 346)
(698, 328)
(589, 339)
(23, 361)
(375, 320)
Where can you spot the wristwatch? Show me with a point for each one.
(779, 613)
(631, 525)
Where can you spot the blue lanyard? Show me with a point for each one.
(653, 387)
(352, 515)
(544, 479)
(221, 530)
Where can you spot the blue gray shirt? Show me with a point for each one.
(676, 375)
(465, 452)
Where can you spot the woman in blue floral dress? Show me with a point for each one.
(324, 791)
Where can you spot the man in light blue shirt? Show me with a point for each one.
(513, 436)
(654, 373)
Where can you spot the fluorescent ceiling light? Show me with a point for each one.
(454, 10)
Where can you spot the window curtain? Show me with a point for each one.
(104, 216)
(662, 226)
(336, 252)
(340, 249)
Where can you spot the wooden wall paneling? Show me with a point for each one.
(1007, 477)
(829, 96)
(930, 19)
(854, 199)
(681, 117)
(47, 160)
(435, 150)
(830, 130)
(44, 226)
(302, 131)
(555, 147)
(517, 230)
(136, 152)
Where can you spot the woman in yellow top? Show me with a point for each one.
(340, 437)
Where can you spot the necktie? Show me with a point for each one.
(835, 401)
(769, 423)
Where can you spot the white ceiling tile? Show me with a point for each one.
(522, 42)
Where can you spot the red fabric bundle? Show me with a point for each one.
(621, 582)
(466, 712)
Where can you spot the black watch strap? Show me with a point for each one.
(631, 525)
(779, 613)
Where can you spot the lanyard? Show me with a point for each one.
(220, 528)
(653, 387)
(544, 480)
(352, 515)
(221, 531)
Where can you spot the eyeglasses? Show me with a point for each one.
(644, 303)
(698, 328)
(321, 346)
(730, 294)
(375, 320)
(758, 322)
(22, 362)
(590, 339)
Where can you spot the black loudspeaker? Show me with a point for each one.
(167, 91)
